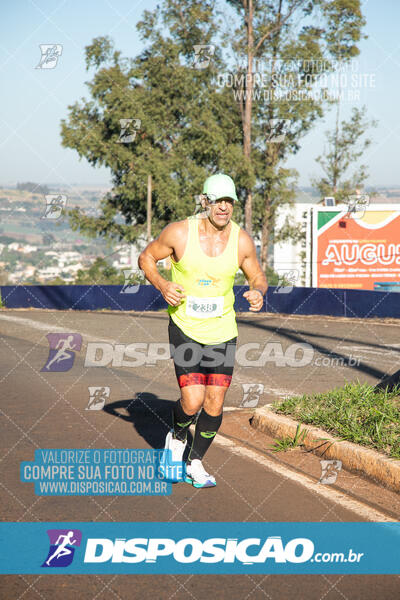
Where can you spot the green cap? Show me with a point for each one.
(220, 186)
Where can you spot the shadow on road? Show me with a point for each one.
(301, 338)
(390, 382)
(150, 416)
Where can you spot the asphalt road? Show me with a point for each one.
(48, 410)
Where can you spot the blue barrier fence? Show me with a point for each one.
(300, 301)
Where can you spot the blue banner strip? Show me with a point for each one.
(237, 548)
(299, 301)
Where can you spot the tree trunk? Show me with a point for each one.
(265, 235)
(271, 155)
(248, 211)
(336, 158)
(148, 224)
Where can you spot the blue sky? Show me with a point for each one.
(34, 101)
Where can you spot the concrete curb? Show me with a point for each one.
(354, 458)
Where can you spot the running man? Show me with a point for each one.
(62, 549)
(62, 354)
(206, 252)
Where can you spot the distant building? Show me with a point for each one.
(48, 273)
(27, 249)
(73, 268)
(289, 257)
(29, 271)
(14, 246)
(339, 247)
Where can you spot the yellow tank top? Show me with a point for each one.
(206, 315)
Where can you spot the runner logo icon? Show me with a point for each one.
(50, 53)
(62, 351)
(202, 55)
(98, 396)
(62, 547)
(329, 471)
(251, 394)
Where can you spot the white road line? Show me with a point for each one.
(32, 323)
(361, 510)
(53, 328)
(361, 349)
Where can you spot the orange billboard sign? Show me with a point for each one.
(356, 251)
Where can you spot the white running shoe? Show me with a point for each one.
(171, 464)
(197, 476)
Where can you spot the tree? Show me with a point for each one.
(3, 277)
(184, 129)
(187, 126)
(255, 36)
(296, 42)
(345, 145)
(99, 273)
(48, 239)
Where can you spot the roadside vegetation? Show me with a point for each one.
(356, 413)
(288, 443)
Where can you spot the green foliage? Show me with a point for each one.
(272, 278)
(3, 277)
(33, 187)
(186, 130)
(11, 258)
(57, 281)
(346, 144)
(288, 443)
(190, 124)
(356, 413)
(166, 273)
(99, 273)
(291, 39)
(6, 239)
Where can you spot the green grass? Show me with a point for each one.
(355, 413)
(1, 302)
(288, 443)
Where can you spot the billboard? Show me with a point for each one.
(356, 250)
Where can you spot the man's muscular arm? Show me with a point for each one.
(160, 248)
(252, 271)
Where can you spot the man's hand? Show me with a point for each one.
(173, 293)
(253, 272)
(255, 299)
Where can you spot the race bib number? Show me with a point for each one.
(204, 308)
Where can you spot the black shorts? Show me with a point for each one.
(201, 364)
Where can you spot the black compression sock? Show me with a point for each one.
(206, 428)
(181, 421)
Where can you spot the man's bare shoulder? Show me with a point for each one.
(175, 228)
(246, 242)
